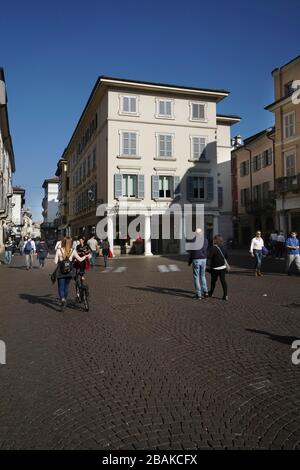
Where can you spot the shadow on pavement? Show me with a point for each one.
(280, 339)
(46, 301)
(165, 290)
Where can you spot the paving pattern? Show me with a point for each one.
(149, 367)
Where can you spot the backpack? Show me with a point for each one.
(28, 247)
(66, 266)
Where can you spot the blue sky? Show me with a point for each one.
(52, 53)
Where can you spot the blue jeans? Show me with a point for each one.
(63, 287)
(8, 257)
(93, 258)
(258, 258)
(199, 266)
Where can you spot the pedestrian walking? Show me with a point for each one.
(198, 257)
(105, 247)
(8, 251)
(42, 251)
(75, 243)
(82, 250)
(29, 249)
(65, 272)
(218, 265)
(256, 250)
(280, 245)
(94, 248)
(293, 256)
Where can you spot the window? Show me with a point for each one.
(289, 125)
(267, 157)
(257, 162)
(94, 158)
(88, 164)
(165, 146)
(164, 108)
(129, 104)
(84, 170)
(265, 191)
(245, 196)
(165, 184)
(244, 168)
(257, 192)
(198, 187)
(129, 144)
(288, 88)
(129, 186)
(198, 112)
(290, 164)
(198, 148)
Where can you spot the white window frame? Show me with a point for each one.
(158, 135)
(192, 137)
(291, 153)
(205, 188)
(287, 115)
(135, 175)
(121, 105)
(164, 116)
(121, 144)
(171, 179)
(191, 103)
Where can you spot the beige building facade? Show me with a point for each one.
(286, 109)
(149, 145)
(255, 173)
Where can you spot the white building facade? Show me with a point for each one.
(7, 165)
(151, 145)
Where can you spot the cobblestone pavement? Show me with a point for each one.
(150, 367)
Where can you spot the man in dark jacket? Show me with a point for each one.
(198, 258)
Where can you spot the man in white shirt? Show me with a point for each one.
(29, 249)
(256, 250)
(93, 246)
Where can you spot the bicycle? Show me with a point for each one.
(82, 291)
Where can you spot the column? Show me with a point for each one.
(147, 238)
(182, 239)
(282, 222)
(215, 225)
(110, 232)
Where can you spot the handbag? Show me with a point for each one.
(225, 260)
(53, 275)
(265, 251)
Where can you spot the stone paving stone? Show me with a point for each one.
(147, 367)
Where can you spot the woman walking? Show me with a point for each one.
(256, 250)
(218, 265)
(63, 258)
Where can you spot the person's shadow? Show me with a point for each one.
(165, 290)
(46, 301)
(280, 339)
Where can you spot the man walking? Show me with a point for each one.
(292, 245)
(9, 247)
(198, 258)
(29, 250)
(94, 248)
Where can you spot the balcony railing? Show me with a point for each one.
(288, 184)
(261, 205)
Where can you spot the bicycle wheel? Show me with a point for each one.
(85, 301)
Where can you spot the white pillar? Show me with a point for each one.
(182, 239)
(148, 235)
(215, 225)
(110, 232)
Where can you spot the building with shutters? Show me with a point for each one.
(286, 109)
(7, 166)
(253, 196)
(149, 144)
